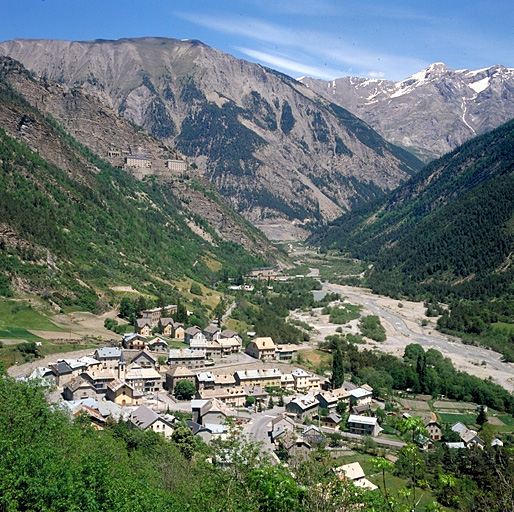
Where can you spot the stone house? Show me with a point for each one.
(301, 380)
(123, 393)
(144, 326)
(77, 389)
(100, 378)
(363, 425)
(134, 341)
(195, 338)
(146, 380)
(208, 411)
(176, 374)
(229, 333)
(233, 396)
(356, 475)
(303, 406)
(332, 421)
(286, 352)
(145, 419)
(434, 430)
(211, 332)
(264, 377)
(360, 396)
(62, 371)
(108, 356)
(144, 359)
(287, 382)
(186, 357)
(262, 348)
(157, 345)
(205, 380)
(168, 327)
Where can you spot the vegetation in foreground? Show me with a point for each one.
(52, 463)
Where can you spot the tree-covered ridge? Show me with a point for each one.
(448, 230)
(72, 235)
(463, 249)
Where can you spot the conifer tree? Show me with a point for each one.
(482, 416)
(337, 369)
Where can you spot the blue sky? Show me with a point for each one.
(322, 38)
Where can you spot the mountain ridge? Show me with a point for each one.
(73, 226)
(278, 152)
(431, 112)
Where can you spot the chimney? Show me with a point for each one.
(121, 370)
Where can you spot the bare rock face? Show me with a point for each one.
(431, 112)
(278, 152)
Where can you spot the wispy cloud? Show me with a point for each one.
(339, 57)
(305, 7)
(296, 68)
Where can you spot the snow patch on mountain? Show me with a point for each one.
(480, 85)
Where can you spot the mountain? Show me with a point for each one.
(449, 230)
(279, 153)
(101, 129)
(431, 112)
(73, 227)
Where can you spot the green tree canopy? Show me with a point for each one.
(184, 390)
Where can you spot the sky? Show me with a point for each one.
(321, 38)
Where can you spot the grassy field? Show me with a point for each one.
(393, 483)
(315, 360)
(208, 297)
(467, 419)
(331, 266)
(177, 344)
(457, 406)
(507, 420)
(504, 327)
(17, 333)
(16, 319)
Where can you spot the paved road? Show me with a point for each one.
(450, 347)
(258, 427)
(260, 424)
(356, 437)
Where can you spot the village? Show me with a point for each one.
(211, 383)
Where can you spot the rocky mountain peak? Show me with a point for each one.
(432, 111)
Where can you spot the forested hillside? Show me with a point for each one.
(51, 463)
(71, 235)
(447, 231)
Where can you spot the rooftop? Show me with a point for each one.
(363, 420)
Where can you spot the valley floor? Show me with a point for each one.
(402, 322)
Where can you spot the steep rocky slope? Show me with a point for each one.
(101, 128)
(276, 150)
(431, 112)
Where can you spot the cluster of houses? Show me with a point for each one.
(468, 437)
(234, 388)
(108, 374)
(322, 408)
